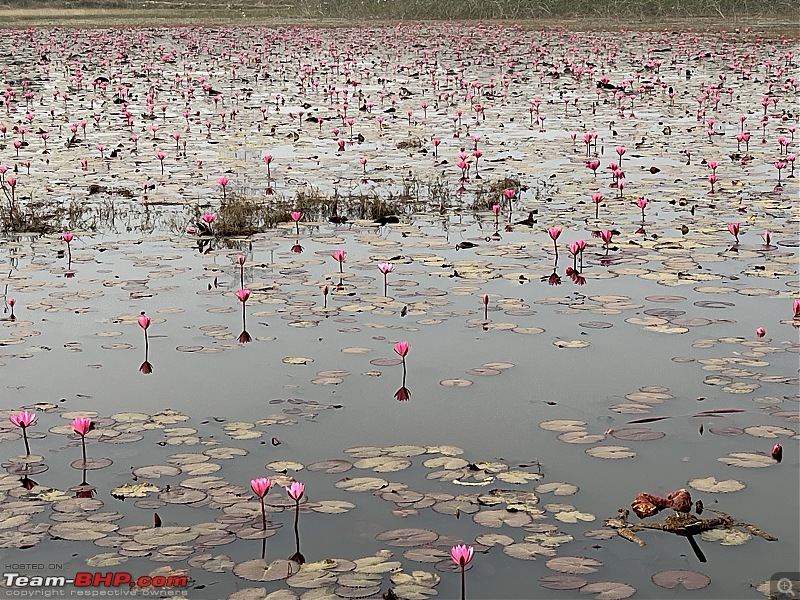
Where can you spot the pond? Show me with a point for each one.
(532, 342)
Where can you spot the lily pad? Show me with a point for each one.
(689, 580)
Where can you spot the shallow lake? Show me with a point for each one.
(544, 390)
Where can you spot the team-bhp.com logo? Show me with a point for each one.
(96, 580)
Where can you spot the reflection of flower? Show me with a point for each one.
(403, 394)
(244, 338)
(297, 249)
(146, 368)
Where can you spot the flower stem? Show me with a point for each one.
(296, 520)
(463, 585)
(263, 516)
(25, 437)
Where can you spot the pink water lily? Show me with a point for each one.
(296, 216)
(606, 236)
(402, 348)
(261, 486)
(296, 490)
(144, 321)
(642, 204)
(462, 556)
(82, 426)
(24, 420)
(597, 199)
(385, 268)
(243, 295)
(340, 256)
(734, 230)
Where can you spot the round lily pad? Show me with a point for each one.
(688, 580)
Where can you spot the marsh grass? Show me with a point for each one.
(29, 215)
(246, 213)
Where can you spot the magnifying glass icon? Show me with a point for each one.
(784, 586)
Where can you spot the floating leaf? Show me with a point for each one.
(408, 538)
(609, 590)
(261, 570)
(563, 425)
(81, 530)
(490, 539)
(574, 564)
(573, 516)
(331, 466)
(383, 464)
(748, 460)
(769, 431)
(361, 484)
(561, 582)
(134, 490)
(332, 507)
(637, 434)
(297, 360)
(571, 344)
(711, 485)
(498, 518)
(107, 559)
(689, 580)
(557, 488)
(612, 452)
(156, 471)
(527, 550)
(726, 537)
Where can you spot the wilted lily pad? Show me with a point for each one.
(134, 490)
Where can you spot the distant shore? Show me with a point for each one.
(781, 18)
